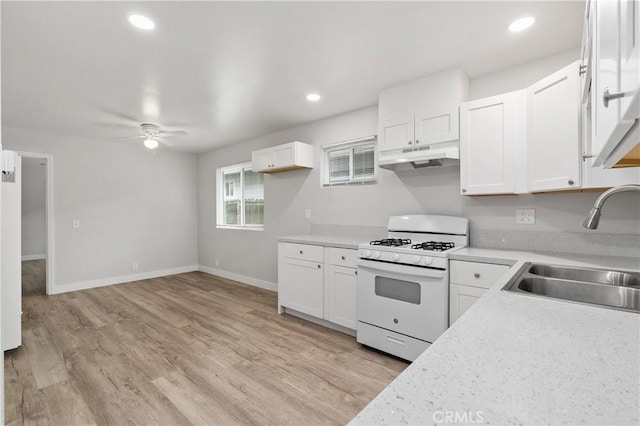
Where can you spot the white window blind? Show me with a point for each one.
(350, 162)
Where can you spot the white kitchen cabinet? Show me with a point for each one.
(408, 133)
(598, 177)
(553, 131)
(493, 144)
(615, 84)
(318, 281)
(289, 156)
(341, 296)
(468, 282)
(300, 282)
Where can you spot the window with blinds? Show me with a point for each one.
(350, 162)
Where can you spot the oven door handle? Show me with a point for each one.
(385, 267)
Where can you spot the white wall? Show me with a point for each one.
(429, 190)
(134, 205)
(33, 207)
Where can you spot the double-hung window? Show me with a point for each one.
(350, 162)
(240, 197)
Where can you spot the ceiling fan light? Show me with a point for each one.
(151, 143)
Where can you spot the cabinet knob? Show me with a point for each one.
(356, 272)
(464, 190)
(343, 258)
(606, 97)
(417, 141)
(477, 275)
(570, 182)
(410, 142)
(319, 266)
(300, 251)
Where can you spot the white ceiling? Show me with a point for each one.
(229, 71)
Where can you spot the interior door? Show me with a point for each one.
(12, 260)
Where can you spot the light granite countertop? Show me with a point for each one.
(513, 359)
(348, 242)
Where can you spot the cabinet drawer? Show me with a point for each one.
(343, 257)
(476, 274)
(304, 252)
(388, 341)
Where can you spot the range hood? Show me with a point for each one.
(436, 155)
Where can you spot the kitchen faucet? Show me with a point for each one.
(591, 222)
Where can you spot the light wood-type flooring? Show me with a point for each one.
(185, 349)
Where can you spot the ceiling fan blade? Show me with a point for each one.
(131, 137)
(165, 142)
(172, 132)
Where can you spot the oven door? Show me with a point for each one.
(410, 300)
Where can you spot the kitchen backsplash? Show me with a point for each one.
(625, 245)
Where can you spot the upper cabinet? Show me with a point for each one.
(615, 96)
(289, 156)
(553, 131)
(492, 145)
(415, 116)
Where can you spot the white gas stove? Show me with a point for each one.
(403, 283)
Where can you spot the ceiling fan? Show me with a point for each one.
(152, 135)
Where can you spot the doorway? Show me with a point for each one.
(37, 222)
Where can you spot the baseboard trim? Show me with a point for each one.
(84, 285)
(267, 285)
(33, 257)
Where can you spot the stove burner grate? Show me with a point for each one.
(391, 242)
(434, 246)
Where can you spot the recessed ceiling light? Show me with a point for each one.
(313, 97)
(521, 24)
(141, 22)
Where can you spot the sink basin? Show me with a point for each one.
(598, 287)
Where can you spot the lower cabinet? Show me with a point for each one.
(468, 282)
(318, 281)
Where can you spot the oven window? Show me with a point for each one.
(404, 291)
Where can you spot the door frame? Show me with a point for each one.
(49, 216)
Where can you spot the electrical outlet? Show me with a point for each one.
(526, 216)
(75, 224)
(134, 266)
(307, 214)
(217, 263)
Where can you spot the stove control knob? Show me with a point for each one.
(396, 257)
(416, 259)
(428, 260)
(366, 253)
(376, 254)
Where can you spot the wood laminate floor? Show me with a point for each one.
(185, 349)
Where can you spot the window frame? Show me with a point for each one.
(349, 146)
(221, 192)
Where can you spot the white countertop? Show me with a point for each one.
(513, 359)
(324, 240)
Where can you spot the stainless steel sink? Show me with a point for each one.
(599, 287)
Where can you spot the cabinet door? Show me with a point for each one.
(630, 59)
(461, 298)
(284, 155)
(341, 300)
(261, 160)
(436, 126)
(396, 133)
(553, 143)
(608, 125)
(301, 286)
(598, 177)
(490, 133)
